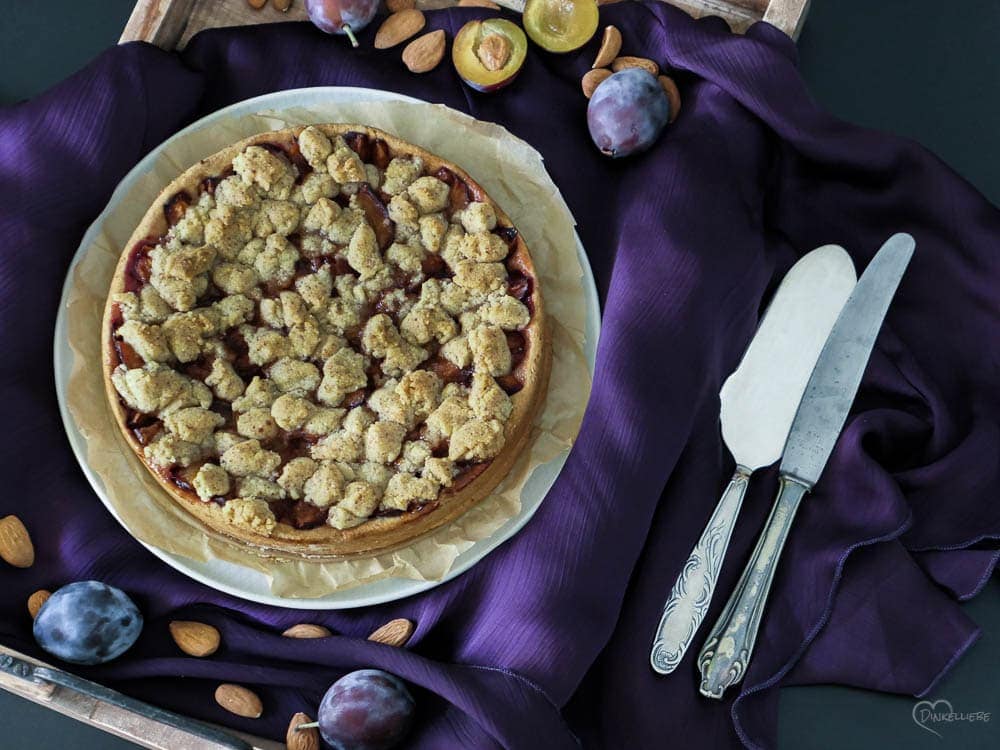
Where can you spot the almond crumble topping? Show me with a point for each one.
(318, 330)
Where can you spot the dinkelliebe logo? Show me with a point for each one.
(930, 714)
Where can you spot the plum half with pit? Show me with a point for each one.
(342, 16)
(87, 622)
(365, 710)
(627, 112)
(489, 54)
(561, 25)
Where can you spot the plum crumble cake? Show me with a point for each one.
(326, 341)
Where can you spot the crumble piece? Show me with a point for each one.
(157, 389)
(342, 445)
(232, 191)
(325, 486)
(476, 440)
(225, 383)
(234, 278)
(277, 261)
(193, 423)
(451, 414)
(211, 481)
(321, 217)
(362, 252)
(250, 514)
(404, 489)
(413, 456)
(147, 339)
(169, 450)
(315, 147)
(272, 173)
(249, 459)
(488, 399)
(265, 345)
(147, 306)
(457, 352)
(439, 470)
(344, 164)
(295, 474)
(260, 394)
(483, 247)
(505, 311)
(400, 174)
(291, 412)
(260, 489)
(343, 373)
(479, 217)
(360, 499)
(257, 423)
(293, 376)
(408, 258)
(490, 352)
(425, 322)
(282, 217)
(383, 441)
(339, 518)
(323, 421)
(419, 391)
(429, 194)
(232, 311)
(432, 231)
(480, 278)
(317, 185)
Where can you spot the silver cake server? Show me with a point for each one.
(818, 422)
(758, 404)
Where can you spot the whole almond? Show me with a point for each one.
(256, 4)
(195, 638)
(611, 45)
(301, 739)
(394, 6)
(399, 27)
(239, 700)
(282, 5)
(673, 94)
(478, 4)
(620, 63)
(15, 543)
(393, 633)
(306, 630)
(592, 79)
(36, 600)
(425, 52)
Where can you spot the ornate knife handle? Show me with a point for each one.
(723, 659)
(692, 592)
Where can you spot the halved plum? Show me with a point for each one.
(489, 54)
(561, 25)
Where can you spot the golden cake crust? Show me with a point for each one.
(242, 519)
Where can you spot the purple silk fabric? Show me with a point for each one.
(545, 643)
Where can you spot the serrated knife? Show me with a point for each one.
(817, 425)
(758, 402)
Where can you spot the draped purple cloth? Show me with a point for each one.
(545, 643)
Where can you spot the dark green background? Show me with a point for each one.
(925, 69)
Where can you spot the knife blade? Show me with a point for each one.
(814, 431)
(758, 403)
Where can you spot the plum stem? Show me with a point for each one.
(311, 725)
(350, 35)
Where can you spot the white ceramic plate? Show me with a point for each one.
(243, 582)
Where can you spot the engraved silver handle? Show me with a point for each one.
(692, 592)
(723, 659)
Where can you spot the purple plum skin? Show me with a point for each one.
(365, 710)
(333, 15)
(87, 622)
(627, 112)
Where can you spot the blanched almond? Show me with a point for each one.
(399, 27)
(307, 630)
(425, 52)
(36, 600)
(620, 63)
(195, 638)
(301, 739)
(673, 94)
(256, 4)
(394, 6)
(15, 543)
(611, 45)
(239, 700)
(592, 79)
(393, 633)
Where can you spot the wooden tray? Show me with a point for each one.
(171, 23)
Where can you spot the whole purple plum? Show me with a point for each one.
(365, 710)
(341, 16)
(627, 112)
